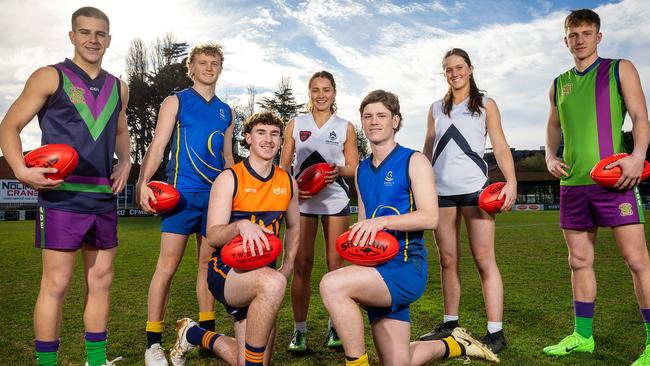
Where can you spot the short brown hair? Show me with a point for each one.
(264, 118)
(90, 12)
(578, 17)
(388, 99)
(210, 49)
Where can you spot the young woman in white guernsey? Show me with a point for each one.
(455, 143)
(316, 137)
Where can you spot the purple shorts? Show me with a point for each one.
(63, 230)
(583, 207)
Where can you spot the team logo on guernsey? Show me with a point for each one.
(250, 190)
(279, 191)
(626, 209)
(388, 180)
(566, 89)
(331, 140)
(304, 135)
(222, 114)
(332, 136)
(76, 95)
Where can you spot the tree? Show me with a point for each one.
(533, 163)
(152, 74)
(363, 146)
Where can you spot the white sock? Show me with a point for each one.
(449, 318)
(330, 325)
(493, 327)
(300, 326)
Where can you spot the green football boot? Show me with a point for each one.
(644, 359)
(573, 343)
(332, 340)
(298, 342)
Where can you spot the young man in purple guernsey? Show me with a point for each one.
(588, 106)
(79, 104)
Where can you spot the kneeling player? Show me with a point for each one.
(390, 198)
(250, 199)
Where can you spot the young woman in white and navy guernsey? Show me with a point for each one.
(316, 137)
(457, 129)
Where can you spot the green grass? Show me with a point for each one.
(530, 251)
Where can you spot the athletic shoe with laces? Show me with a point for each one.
(443, 330)
(182, 347)
(298, 342)
(109, 363)
(155, 356)
(495, 341)
(644, 359)
(473, 347)
(572, 343)
(332, 340)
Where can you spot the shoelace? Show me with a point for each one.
(158, 353)
(465, 360)
(112, 363)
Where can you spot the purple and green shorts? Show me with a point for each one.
(63, 230)
(584, 207)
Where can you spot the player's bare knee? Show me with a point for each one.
(330, 288)
(579, 261)
(303, 266)
(638, 264)
(55, 285)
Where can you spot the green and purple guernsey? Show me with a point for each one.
(591, 110)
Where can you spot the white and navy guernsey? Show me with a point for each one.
(196, 156)
(386, 191)
(83, 113)
(458, 150)
(321, 145)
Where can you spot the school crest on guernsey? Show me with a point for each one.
(76, 95)
(566, 89)
(304, 135)
(222, 114)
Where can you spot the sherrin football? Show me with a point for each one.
(312, 179)
(60, 156)
(167, 196)
(232, 254)
(384, 248)
(608, 177)
(488, 199)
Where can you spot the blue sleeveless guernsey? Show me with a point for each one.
(83, 113)
(386, 190)
(197, 143)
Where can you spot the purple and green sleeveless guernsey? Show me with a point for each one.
(83, 113)
(196, 156)
(592, 111)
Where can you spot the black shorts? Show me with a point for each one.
(459, 200)
(344, 212)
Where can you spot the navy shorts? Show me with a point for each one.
(406, 282)
(189, 216)
(459, 200)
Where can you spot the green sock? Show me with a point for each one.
(647, 333)
(96, 353)
(47, 358)
(584, 326)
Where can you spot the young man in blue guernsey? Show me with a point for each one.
(200, 127)
(588, 107)
(79, 104)
(391, 198)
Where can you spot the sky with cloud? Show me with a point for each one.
(516, 47)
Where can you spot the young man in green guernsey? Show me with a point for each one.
(588, 107)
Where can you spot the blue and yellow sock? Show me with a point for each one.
(96, 348)
(154, 332)
(357, 361)
(47, 352)
(207, 320)
(202, 337)
(452, 348)
(584, 314)
(254, 355)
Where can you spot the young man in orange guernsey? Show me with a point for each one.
(250, 199)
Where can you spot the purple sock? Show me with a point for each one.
(584, 309)
(194, 335)
(645, 313)
(96, 337)
(47, 346)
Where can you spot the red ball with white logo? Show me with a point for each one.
(384, 248)
(233, 255)
(167, 196)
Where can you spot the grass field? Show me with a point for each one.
(530, 252)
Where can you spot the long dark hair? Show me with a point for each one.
(475, 96)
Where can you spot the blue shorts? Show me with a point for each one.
(459, 200)
(217, 275)
(189, 217)
(406, 283)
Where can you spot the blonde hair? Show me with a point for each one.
(210, 49)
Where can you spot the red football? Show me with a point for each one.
(60, 156)
(312, 179)
(488, 199)
(608, 177)
(167, 196)
(232, 254)
(383, 249)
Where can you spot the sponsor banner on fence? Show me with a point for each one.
(12, 191)
(528, 207)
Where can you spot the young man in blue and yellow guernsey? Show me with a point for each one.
(200, 127)
(397, 193)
